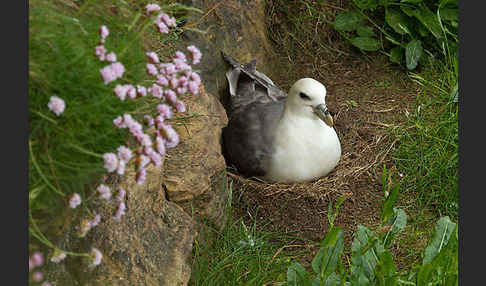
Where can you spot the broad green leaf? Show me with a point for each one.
(408, 11)
(448, 14)
(397, 222)
(442, 3)
(347, 21)
(386, 264)
(366, 43)
(387, 208)
(411, 1)
(328, 256)
(413, 52)
(297, 276)
(366, 4)
(332, 280)
(443, 230)
(365, 31)
(396, 54)
(366, 249)
(429, 20)
(398, 21)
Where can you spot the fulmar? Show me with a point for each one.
(275, 136)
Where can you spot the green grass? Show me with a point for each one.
(62, 63)
(242, 255)
(427, 150)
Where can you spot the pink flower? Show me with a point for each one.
(193, 76)
(170, 95)
(183, 81)
(160, 145)
(152, 8)
(180, 106)
(195, 54)
(149, 119)
(37, 259)
(111, 57)
(162, 80)
(171, 136)
(124, 154)
(95, 221)
(56, 105)
(118, 122)
(100, 52)
(163, 29)
(131, 91)
(105, 192)
(120, 91)
(193, 87)
(120, 210)
(58, 256)
(75, 200)
(156, 91)
(112, 72)
(121, 168)
(111, 162)
(155, 157)
(141, 90)
(168, 68)
(144, 140)
(121, 194)
(151, 69)
(84, 228)
(153, 57)
(159, 120)
(37, 276)
(169, 21)
(95, 257)
(104, 32)
(180, 55)
(164, 110)
(142, 161)
(118, 69)
(174, 82)
(141, 176)
(181, 90)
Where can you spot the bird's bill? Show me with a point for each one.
(322, 112)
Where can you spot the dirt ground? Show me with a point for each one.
(367, 97)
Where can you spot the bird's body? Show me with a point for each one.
(274, 136)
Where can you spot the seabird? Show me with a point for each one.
(275, 136)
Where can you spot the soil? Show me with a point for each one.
(367, 97)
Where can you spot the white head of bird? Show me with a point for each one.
(307, 98)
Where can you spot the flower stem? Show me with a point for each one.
(82, 150)
(34, 162)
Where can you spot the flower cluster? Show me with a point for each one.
(152, 133)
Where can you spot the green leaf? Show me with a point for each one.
(443, 3)
(408, 11)
(366, 4)
(396, 55)
(365, 31)
(297, 276)
(398, 21)
(328, 256)
(347, 21)
(429, 20)
(455, 93)
(366, 249)
(413, 52)
(448, 14)
(397, 222)
(386, 266)
(366, 43)
(411, 1)
(443, 230)
(387, 209)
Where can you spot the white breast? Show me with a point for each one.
(305, 149)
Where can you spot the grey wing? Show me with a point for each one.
(248, 138)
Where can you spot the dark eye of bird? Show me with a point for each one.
(304, 96)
